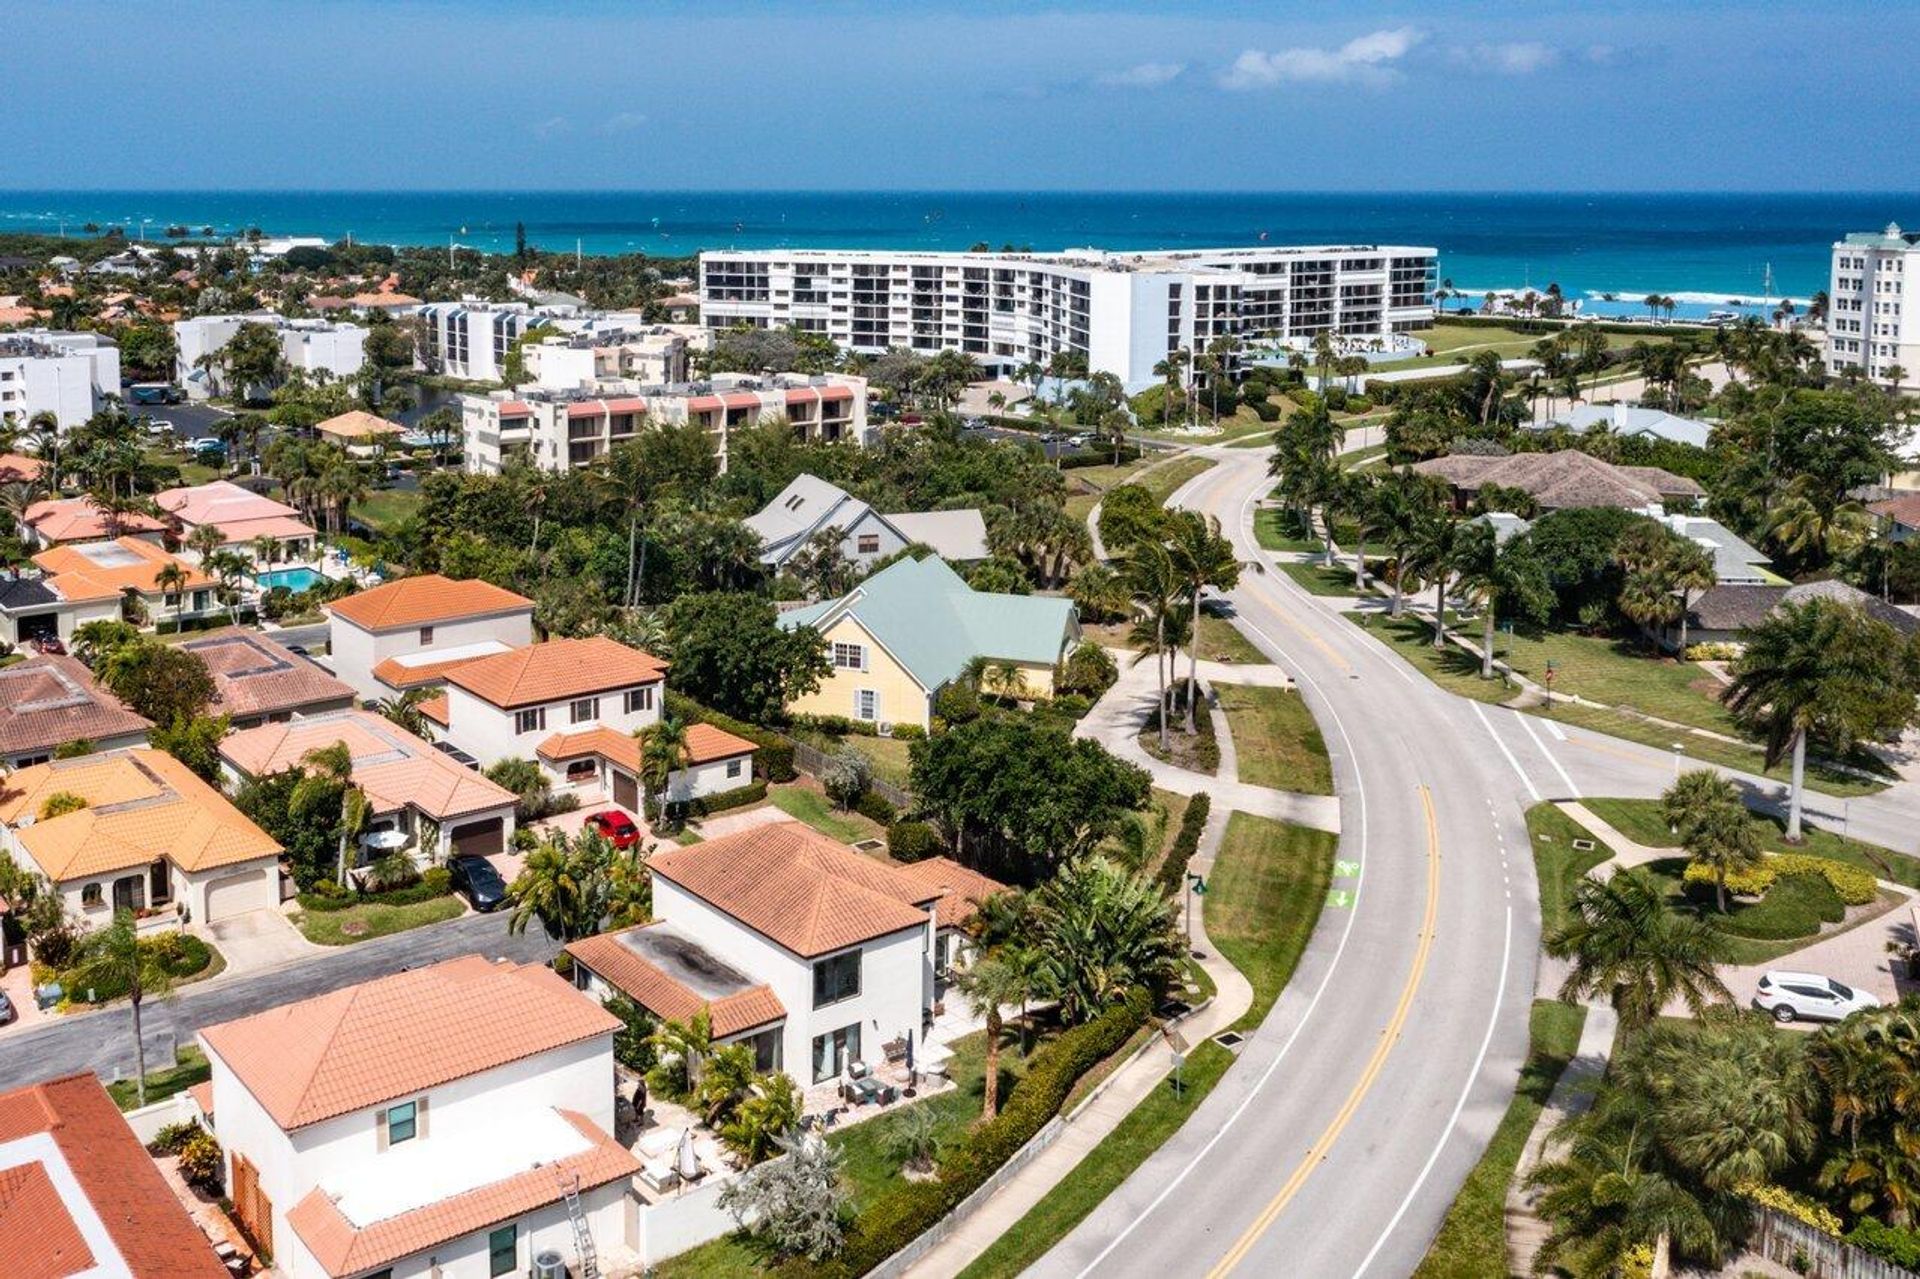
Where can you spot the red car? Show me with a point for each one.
(617, 827)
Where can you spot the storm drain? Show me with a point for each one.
(870, 845)
(1228, 1038)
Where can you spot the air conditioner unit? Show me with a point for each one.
(549, 1264)
(883, 728)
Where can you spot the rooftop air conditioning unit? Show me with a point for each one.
(884, 728)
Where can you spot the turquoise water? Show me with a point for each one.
(1586, 243)
(294, 579)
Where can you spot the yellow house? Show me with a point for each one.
(905, 633)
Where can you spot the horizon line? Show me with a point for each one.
(1028, 192)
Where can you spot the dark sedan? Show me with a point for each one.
(476, 877)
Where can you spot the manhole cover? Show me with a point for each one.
(1228, 1038)
(870, 845)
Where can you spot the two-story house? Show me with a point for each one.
(508, 705)
(428, 623)
(434, 1122)
(256, 680)
(812, 953)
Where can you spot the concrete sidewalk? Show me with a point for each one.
(1572, 1095)
(1125, 1089)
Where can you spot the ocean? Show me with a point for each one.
(1675, 243)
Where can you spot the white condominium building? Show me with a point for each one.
(470, 339)
(332, 347)
(1872, 325)
(65, 374)
(654, 354)
(1123, 311)
(560, 429)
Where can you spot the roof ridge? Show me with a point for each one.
(333, 1036)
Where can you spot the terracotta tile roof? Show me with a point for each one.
(362, 1045)
(39, 1236)
(342, 1249)
(706, 744)
(240, 515)
(15, 467)
(80, 519)
(961, 888)
(252, 675)
(1903, 508)
(422, 600)
(402, 674)
(556, 670)
(1563, 479)
(202, 1094)
(797, 887)
(357, 424)
(735, 1003)
(142, 805)
(102, 570)
(394, 768)
(435, 709)
(48, 701)
(607, 743)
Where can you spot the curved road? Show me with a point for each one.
(1336, 1143)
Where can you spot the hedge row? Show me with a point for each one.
(1901, 1247)
(739, 797)
(1186, 842)
(907, 1211)
(1097, 455)
(774, 758)
(1855, 886)
(1531, 324)
(434, 882)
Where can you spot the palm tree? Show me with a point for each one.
(112, 958)
(1404, 503)
(1689, 569)
(683, 1046)
(1626, 945)
(1153, 580)
(1502, 578)
(1819, 668)
(663, 752)
(172, 581)
(1434, 553)
(403, 711)
(1722, 838)
(326, 772)
(1692, 796)
(553, 887)
(988, 985)
(1104, 930)
(1202, 558)
(1359, 490)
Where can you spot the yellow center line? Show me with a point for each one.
(1273, 602)
(1388, 1037)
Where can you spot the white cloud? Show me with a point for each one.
(1515, 57)
(1147, 75)
(1367, 59)
(550, 126)
(623, 122)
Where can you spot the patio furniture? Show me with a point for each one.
(858, 1070)
(864, 1091)
(895, 1050)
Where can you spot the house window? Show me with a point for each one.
(733, 768)
(836, 979)
(584, 710)
(832, 1052)
(92, 895)
(403, 1122)
(868, 544)
(530, 721)
(582, 771)
(426, 636)
(850, 657)
(503, 1250)
(639, 699)
(866, 704)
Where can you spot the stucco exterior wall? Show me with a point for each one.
(903, 700)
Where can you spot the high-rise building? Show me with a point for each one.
(1872, 326)
(65, 374)
(1122, 311)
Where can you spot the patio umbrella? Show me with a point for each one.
(909, 1037)
(685, 1162)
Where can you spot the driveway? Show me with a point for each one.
(17, 982)
(258, 940)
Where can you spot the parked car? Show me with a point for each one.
(7, 1011)
(159, 426)
(1790, 996)
(476, 877)
(206, 444)
(616, 826)
(1078, 441)
(49, 644)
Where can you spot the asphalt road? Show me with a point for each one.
(103, 1041)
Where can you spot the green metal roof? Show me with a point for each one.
(934, 623)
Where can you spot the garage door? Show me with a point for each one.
(482, 839)
(236, 895)
(626, 791)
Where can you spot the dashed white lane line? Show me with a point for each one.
(1511, 761)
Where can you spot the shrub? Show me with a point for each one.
(1855, 886)
(957, 703)
(909, 732)
(774, 758)
(1715, 652)
(876, 806)
(846, 776)
(1099, 454)
(1186, 842)
(1089, 669)
(171, 1137)
(200, 1161)
(1267, 411)
(913, 841)
(1901, 1247)
(738, 797)
(1799, 1207)
(1070, 706)
(327, 897)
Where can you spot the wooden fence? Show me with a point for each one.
(1779, 1238)
(811, 759)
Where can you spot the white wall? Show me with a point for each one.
(262, 889)
(709, 779)
(67, 382)
(486, 732)
(895, 977)
(356, 651)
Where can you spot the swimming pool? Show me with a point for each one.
(293, 579)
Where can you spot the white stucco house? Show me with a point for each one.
(407, 632)
(507, 705)
(152, 838)
(815, 955)
(429, 1123)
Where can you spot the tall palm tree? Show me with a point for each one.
(1153, 580)
(205, 540)
(327, 771)
(1434, 554)
(1359, 490)
(172, 581)
(1722, 838)
(663, 752)
(1502, 578)
(112, 958)
(988, 985)
(1202, 558)
(1404, 503)
(1628, 947)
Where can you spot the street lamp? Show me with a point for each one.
(1676, 761)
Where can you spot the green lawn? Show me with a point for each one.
(817, 811)
(374, 919)
(1275, 739)
(1263, 899)
(189, 1067)
(1278, 530)
(1456, 343)
(1640, 821)
(1161, 481)
(1322, 579)
(1617, 673)
(1221, 641)
(382, 509)
(888, 755)
(1451, 668)
(1557, 863)
(1472, 1242)
(1793, 912)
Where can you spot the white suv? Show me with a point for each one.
(1793, 995)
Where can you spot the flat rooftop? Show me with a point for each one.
(686, 961)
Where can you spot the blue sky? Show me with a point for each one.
(1551, 94)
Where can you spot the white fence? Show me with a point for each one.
(685, 1221)
(1780, 1238)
